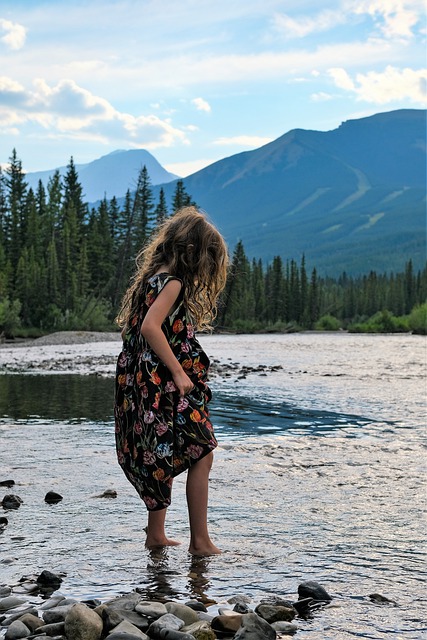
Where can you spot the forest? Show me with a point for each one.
(65, 265)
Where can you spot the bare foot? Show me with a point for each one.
(208, 549)
(153, 543)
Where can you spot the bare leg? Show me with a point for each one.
(156, 536)
(197, 501)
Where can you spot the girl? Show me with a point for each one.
(161, 414)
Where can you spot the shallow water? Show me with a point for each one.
(320, 475)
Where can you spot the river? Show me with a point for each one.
(320, 475)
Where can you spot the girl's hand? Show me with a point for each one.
(182, 382)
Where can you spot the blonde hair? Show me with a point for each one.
(195, 252)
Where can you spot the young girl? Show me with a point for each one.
(161, 414)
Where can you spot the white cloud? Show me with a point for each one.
(185, 169)
(15, 34)
(380, 88)
(394, 17)
(321, 96)
(242, 141)
(302, 26)
(67, 110)
(201, 105)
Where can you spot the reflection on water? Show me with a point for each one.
(75, 398)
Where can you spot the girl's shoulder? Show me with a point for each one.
(159, 280)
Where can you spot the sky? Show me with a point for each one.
(195, 81)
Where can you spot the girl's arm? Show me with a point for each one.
(151, 329)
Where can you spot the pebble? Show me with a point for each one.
(130, 617)
(11, 501)
(52, 497)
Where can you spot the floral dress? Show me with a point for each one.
(159, 434)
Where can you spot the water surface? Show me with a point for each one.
(320, 474)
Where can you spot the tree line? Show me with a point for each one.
(65, 266)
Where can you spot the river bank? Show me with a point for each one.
(310, 482)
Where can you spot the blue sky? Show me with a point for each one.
(196, 80)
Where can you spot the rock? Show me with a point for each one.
(11, 502)
(226, 624)
(255, 628)
(303, 607)
(187, 615)
(242, 607)
(57, 614)
(172, 634)
(277, 601)
(196, 605)
(151, 609)
(167, 621)
(122, 635)
(18, 615)
(200, 630)
(52, 497)
(82, 623)
(127, 627)
(127, 602)
(311, 589)
(5, 591)
(273, 613)
(285, 628)
(54, 629)
(7, 483)
(110, 617)
(31, 621)
(49, 580)
(10, 602)
(239, 599)
(3, 523)
(379, 599)
(109, 493)
(17, 630)
(52, 602)
(92, 603)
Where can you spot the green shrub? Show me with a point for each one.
(9, 317)
(417, 319)
(328, 323)
(381, 322)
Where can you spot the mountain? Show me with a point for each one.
(350, 199)
(110, 175)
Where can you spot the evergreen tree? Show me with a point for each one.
(143, 207)
(17, 188)
(181, 198)
(73, 194)
(161, 210)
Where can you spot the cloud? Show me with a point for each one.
(243, 141)
(14, 37)
(380, 88)
(394, 17)
(321, 96)
(302, 26)
(68, 110)
(201, 105)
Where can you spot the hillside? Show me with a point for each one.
(351, 199)
(110, 175)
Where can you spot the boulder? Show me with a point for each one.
(49, 580)
(127, 627)
(151, 609)
(31, 621)
(285, 628)
(17, 630)
(52, 497)
(274, 613)
(255, 628)
(82, 623)
(226, 624)
(312, 589)
(186, 614)
(167, 621)
(11, 501)
(10, 602)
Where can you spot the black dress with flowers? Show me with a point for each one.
(159, 434)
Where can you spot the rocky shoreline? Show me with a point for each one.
(30, 609)
(80, 352)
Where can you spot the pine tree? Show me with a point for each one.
(73, 194)
(181, 198)
(161, 210)
(143, 207)
(17, 188)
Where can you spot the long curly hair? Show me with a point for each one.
(194, 251)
